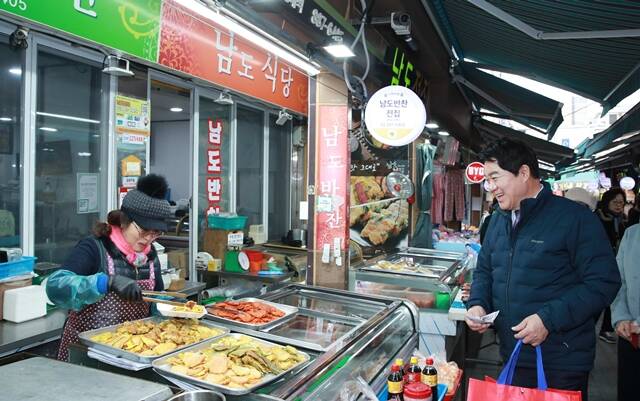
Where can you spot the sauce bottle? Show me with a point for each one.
(399, 362)
(414, 373)
(430, 377)
(395, 384)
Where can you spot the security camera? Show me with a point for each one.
(18, 39)
(401, 23)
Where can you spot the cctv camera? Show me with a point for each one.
(401, 23)
(18, 39)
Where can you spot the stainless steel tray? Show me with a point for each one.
(85, 338)
(436, 271)
(161, 366)
(289, 312)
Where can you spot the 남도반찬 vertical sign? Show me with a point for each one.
(131, 26)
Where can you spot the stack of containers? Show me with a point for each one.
(15, 273)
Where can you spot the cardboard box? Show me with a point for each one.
(10, 285)
(179, 259)
(216, 241)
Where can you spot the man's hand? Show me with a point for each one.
(531, 330)
(623, 328)
(477, 311)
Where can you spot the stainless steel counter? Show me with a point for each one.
(15, 337)
(47, 379)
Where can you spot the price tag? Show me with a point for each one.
(235, 238)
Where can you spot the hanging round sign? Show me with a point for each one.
(395, 115)
(475, 172)
(627, 183)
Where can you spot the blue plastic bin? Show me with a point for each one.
(227, 222)
(18, 267)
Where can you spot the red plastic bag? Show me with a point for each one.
(502, 390)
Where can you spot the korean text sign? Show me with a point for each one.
(200, 47)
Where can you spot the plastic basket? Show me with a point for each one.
(227, 222)
(17, 267)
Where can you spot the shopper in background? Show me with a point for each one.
(625, 312)
(487, 220)
(634, 212)
(546, 266)
(104, 274)
(610, 212)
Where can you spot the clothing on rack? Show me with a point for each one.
(437, 205)
(454, 195)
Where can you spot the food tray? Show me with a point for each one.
(420, 271)
(85, 338)
(289, 312)
(167, 310)
(161, 367)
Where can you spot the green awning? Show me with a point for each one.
(547, 151)
(591, 48)
(628, 124)
(508, 100)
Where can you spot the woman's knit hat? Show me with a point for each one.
(146, 205)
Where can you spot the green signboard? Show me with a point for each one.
(132, 26)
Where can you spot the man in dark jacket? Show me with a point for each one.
(547, 266)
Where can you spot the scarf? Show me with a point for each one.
(136, 259)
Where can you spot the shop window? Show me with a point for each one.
(214, 175)
(250, 164)
(11, 68)
(280, 158)
(71, 124)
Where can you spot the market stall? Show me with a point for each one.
(428, 278)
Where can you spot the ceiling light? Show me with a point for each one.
(608, 151)
(283, 117)
(48, 129)
(66, 117)
(443, 133)
(176, 109)
(6, 119)
(339, 50)
(627, 136)
(117, 66)
(432, 125)
(261, 39)
(84, 154)
(15, 70)
(601, 160)
(224, 98)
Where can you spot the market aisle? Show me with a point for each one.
(602, 381)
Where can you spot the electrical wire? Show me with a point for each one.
(361, 34)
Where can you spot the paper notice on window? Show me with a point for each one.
(87, 193)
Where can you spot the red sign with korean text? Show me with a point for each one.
(214, 165)
(202, 48)
(475, 172)
(332, 184)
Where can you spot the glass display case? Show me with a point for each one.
(346, 334)
(416, 274)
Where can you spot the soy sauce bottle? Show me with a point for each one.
(430, 377)
(414, 373)
(395, 384)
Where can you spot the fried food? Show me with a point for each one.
(236, 362)
(387, 223)
(151, 338)
(246, 312)
(189, 306)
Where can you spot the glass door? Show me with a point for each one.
(11, 77)
(70, 129)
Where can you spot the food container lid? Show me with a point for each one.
(417, 390)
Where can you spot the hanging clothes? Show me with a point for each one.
(454, 195)
(424, 171)
(437, 206)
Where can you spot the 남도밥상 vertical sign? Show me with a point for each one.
(131, 26)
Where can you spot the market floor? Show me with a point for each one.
(602, 381)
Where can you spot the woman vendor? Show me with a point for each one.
(105, 274)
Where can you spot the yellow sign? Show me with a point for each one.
(131, 166)
(132, 116)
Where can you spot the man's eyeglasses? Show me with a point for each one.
(147, 233)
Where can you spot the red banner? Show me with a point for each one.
(202, 48)
(332, 184)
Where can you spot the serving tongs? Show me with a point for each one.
(148, 296)
(165, 293)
